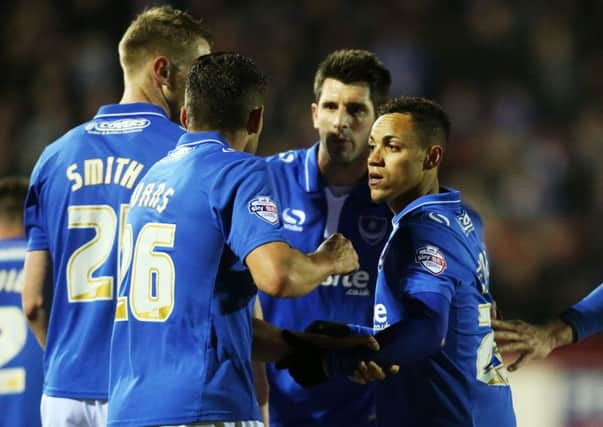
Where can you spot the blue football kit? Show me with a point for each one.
(75, 209)
(345, 299)
(21, 372)
(435, 255)
(586, 316)
(181, 344)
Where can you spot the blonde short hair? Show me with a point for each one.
(160, 30)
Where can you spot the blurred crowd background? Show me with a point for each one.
(522, 81)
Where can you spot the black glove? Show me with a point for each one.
(305, 363)
(332, 329)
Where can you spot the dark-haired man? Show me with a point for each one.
(323, 190)
(181, 341)
(21, 356)
(76, 206)
(432, 302)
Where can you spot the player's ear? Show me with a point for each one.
(161, 70)
(255, 121)
(184, 117)
(314, 108)
(433, 157)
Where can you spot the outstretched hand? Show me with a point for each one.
(532, 342)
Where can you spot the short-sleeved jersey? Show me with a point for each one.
(181, 345)
(20, 354)
(346, 299)
(78, 193)
(436, 246)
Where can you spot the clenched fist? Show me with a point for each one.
(340, 251)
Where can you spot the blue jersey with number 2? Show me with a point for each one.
(181, 344)
(436, 246)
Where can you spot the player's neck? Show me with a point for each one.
(342, 174)
(431, 185)
(136, 92)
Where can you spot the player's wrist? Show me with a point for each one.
(560, 333)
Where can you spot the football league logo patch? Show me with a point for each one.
(431, 259)
(265, 209)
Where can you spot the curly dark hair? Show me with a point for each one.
(221, 89)
(429, 119)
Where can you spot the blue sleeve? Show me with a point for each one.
(586, 317)
(34, 220)
(418, 337)
(428, 258)
(251, 216)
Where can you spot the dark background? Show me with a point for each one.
(522, 80)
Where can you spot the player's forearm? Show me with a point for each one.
(35, 273)
(268, 344)
(586, 317)
(260, 381)
(303, 273)
(416, 338)
(38, 322)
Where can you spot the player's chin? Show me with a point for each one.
(378, 195)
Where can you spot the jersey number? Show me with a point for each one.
(151, 293)
(489, 363)
(13, 335)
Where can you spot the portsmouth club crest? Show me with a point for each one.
(265, 208)
(372, 228)
(432, 259)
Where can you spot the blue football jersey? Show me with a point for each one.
(21, 373)
(436, 246)
(345, 299)
(75, 208)
(181, 345)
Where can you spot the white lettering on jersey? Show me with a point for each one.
(120, 171)
(355, 283)
(293, 219)
(107, 127)
(465, 222)
(380, 317)
(152, 195)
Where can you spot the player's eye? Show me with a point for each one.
(356, 109)
(330, 105)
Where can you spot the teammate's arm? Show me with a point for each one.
(282, 271)
(260, 379)
(581, 321)
(417, 337)
(35, 273)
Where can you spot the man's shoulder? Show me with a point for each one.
(287, 161)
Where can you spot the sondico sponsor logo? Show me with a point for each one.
(380, 317)
(104, 127)
(293, 219)
(356, 284)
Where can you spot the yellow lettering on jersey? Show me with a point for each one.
(72, 175)
(93, 171)
(121, 171)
